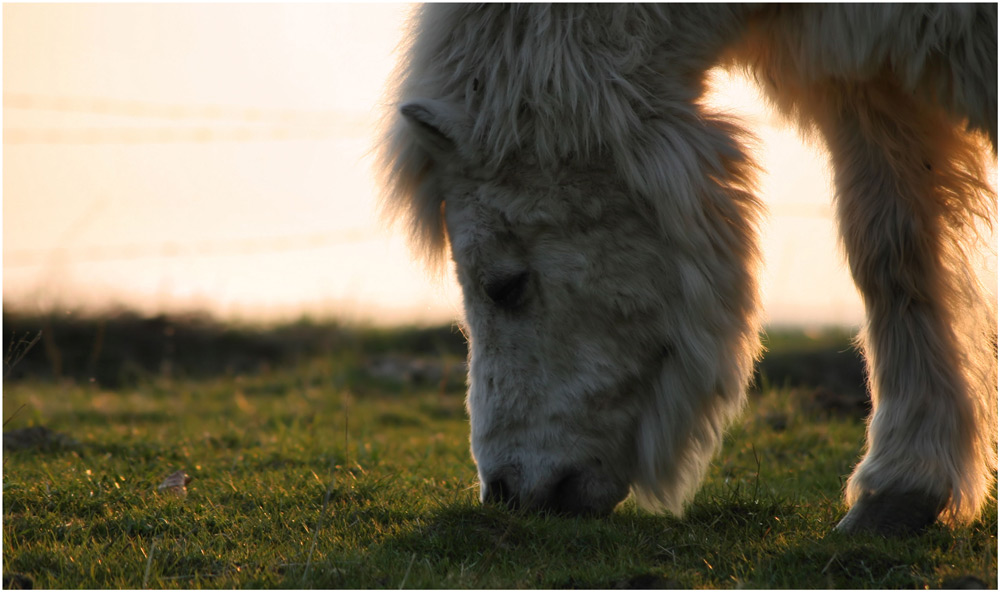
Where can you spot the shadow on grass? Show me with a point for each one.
(758, 543)
(471, 546)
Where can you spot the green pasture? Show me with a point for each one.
(344, 463)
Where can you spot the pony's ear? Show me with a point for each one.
(435, 124)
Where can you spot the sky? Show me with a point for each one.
(171, 157)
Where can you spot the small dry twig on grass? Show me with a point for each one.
(175, 483)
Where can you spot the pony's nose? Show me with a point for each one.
(568, 495)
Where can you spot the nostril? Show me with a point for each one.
(573, 494)
(507, 291)
(566, 488)
(565, 496)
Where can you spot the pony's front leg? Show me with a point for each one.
(908, 184)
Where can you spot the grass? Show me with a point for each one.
(316, 473)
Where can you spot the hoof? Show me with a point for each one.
(892, 514)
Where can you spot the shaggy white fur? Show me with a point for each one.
(604, 229)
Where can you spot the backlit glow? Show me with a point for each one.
(218, 157)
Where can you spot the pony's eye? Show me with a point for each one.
(507, 291)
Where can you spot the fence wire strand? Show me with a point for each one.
(191, 249)
(190, 122)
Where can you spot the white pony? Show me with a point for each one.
(604, 229)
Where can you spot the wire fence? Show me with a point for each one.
(174, 111)
(192, 124)
(175, 135)
(178, 249)
(189, 123)
(250, 246)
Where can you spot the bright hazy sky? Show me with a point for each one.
(171, 157)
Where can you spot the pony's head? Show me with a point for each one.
(606, 255)
(564, 282)
(572, 297)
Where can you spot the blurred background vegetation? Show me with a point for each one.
(123, 348)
